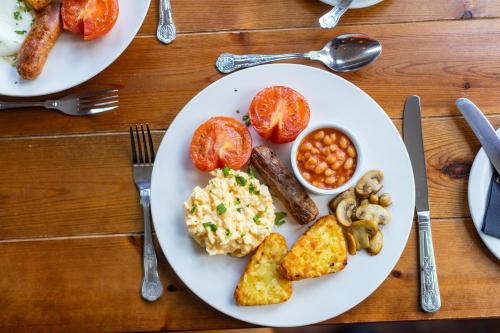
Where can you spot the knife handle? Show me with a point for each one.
(429, 288)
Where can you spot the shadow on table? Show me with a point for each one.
(441, 326)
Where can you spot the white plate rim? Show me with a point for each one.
(404, 237)
(95, 71)
(356, 4)
(480, 174)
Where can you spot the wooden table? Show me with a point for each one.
(70, 222)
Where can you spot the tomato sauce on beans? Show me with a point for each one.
(327, 158)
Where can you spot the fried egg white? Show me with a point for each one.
(15, 22)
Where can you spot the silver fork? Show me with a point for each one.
(143, 161)
(82, 104)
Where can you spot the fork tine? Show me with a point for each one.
(151, 145)
(96, 93)
(88, 111)
(145, 144)
(132, 141)
(92, 105)
(99, 99)
(141, 160)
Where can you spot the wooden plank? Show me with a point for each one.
(80, 185)
(196, 16)
(438, 60)
(92, 284)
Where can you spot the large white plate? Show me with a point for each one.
(331, 98)
(355, 3)
(479, 186)
(73, 60)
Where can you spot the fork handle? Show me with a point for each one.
(151, 288)
(18, 105)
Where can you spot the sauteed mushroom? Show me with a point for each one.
(374, 199)
(385, 200)
(344, 195)
(364, 202)
(371, 182)
(375, 213)
(376, 243)
(362, 230)
(351, 243)
(345, 210)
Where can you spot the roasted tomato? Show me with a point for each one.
(90, 18)
(219, 142)
(279, 114)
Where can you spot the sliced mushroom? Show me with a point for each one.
(376, 243)
(371, 182)
(345, 210)
(344, 195)
(351, 243)
(385, 200)
(362, 231)
(375, 213)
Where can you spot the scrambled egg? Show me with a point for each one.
(232, 215)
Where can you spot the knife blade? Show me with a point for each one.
(483, 129)
(430, 298)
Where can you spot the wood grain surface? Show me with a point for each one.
(91, 284)
(201, 16)
(50, 197)
(440, 61)
(70, 223)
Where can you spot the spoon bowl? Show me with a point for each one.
(347, 53)
(344, 53)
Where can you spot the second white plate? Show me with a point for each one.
(478, 191)
(355, 3)
(73, 61)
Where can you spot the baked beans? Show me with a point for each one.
(327, 158)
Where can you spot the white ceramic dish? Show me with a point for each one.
(359, 161)
(355, 4)
(73, 61)
(331, 98)
(478, 191)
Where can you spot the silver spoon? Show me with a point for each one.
(330, 19)
(344, 53)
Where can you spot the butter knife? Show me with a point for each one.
(483, 130)
(430, 298)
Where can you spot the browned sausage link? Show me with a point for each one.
(40, 40)
(283, 183)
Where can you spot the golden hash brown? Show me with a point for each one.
(38, 4)
(261, 283)
(321, 250)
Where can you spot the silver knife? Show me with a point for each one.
(330, 19)
(483, 130)
(430, 298)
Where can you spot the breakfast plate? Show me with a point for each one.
(355, 3)
(331, 99)
(73, 61)
(478, 191)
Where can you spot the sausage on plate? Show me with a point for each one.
(40, 40)
(283, 183)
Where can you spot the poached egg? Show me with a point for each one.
(15, 22)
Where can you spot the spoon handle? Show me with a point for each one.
(330, 19)
(166, 31)
(227, 62)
